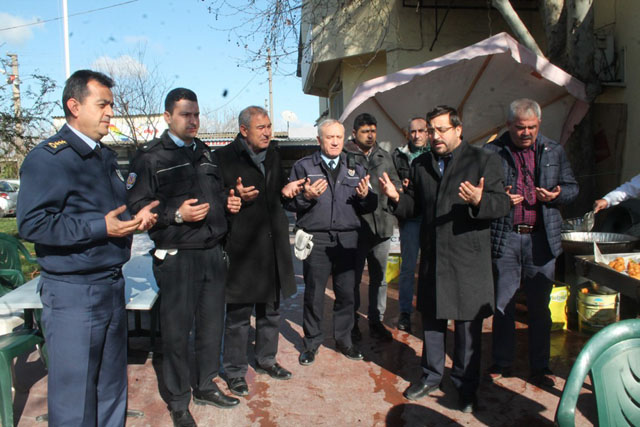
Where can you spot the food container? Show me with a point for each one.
(581, 243)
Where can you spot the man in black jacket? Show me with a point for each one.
(376, 228)
(403, 157)
(458, 190)
(526, 242)
(189, 263)
(260, 266)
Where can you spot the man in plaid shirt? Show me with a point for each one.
(526, 243)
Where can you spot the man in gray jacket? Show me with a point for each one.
(376, 227)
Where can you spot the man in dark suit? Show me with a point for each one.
(458, 190)
(72, 206)
(260, 265)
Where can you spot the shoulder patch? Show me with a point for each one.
(131, 180)
(55, 146)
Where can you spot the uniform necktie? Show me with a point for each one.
(332, 164)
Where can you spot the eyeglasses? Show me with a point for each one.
(441, 131)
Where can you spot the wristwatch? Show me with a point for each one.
(178, 217)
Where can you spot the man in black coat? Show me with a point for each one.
(260, 265)
(458, 190)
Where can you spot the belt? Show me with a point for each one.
(523, 229)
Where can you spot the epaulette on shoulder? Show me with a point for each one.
(55, 146)
(148, 146)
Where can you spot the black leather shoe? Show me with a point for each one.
(307, 357)
(238, 386)
(468, 403)
(215, 398)
(351, 352)
(419, 390)
(404, 323)
(274, 371)
(543, 378)
(182, 419)
(356, 335)
(379, 332)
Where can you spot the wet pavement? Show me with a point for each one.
(336, 391)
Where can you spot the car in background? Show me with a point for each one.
(8, 198)
(15, 183)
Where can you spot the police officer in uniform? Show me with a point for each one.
(335, 193)
(189, 263)
(72, 206)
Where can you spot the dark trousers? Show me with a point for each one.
(192, 288)
(465, 373)
(527, 260)
(374, 251)
(236, 337)
(333, 254)
(85, 327)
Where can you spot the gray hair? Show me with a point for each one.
(327, 122)
(522, 108)
(244, 118)
(415, 118)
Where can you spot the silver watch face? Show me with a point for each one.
(178, 217)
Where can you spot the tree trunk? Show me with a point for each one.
(517, 26)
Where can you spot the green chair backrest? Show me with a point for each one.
(612, 357)
(10, 267)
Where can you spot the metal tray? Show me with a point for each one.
(581, 243)
(607, 276)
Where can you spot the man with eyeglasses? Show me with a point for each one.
(526, 242)
(458, 189)
(417, 143)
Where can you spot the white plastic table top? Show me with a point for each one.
(141, 290)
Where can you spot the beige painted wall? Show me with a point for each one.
(382, 25)
(624, 17)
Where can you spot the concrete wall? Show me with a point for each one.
(621, 17)
(378, 37)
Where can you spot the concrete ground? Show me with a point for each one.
(336, 391)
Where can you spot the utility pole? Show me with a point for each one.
(65, 25)
(270, 84)
(14, 79)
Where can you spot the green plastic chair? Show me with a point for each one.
(10, 267)
(13, 345)
(612, 358)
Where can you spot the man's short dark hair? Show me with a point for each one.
(454, 118)
(76, 86)
(176, 95)
(364, 119)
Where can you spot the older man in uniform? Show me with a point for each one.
(189, 262)
(376, 227)
(403, 157)
(72, 205)
(458, 189)
(336, 192)
(260, 266)
(526, 242)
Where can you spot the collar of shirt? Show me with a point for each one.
(90, 142)
(326, 160)
(516, 149)
(179, 142)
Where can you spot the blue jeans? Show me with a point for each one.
(409, 248)
(527, 260)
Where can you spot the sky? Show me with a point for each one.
(179, 36)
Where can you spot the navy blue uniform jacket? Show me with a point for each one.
(339, 207)
(66, 189)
